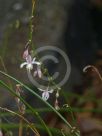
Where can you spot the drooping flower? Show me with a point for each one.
(25, 53)
(38, 72)
(46, 93)
(29, 63)
(20, 104)
(57, 105)
(1, 134)
(18, 91)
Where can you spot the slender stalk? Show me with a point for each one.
(20, 116)
(40, 98)
(4, 67)
(21, 127)
(93, 68)
(31, 26)
(31, 109)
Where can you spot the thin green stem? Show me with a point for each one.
(32, 109)
(21, 127)
(4, 67)
(40, 98)
(20, 116)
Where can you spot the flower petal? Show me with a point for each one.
(45, 95)
(29, 66)
(51, 91)
(34, 59)
(23, 64)
(39, 73)
(29, 59)
(41, 89)
(36, 62)
(25, 53)
(35, 73)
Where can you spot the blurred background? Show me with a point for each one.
(75, 26)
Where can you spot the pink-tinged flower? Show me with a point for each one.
(38, 72)
(18, 92)
(25, 53)
(20, 104)
(46, 93)
(29, 63)
(1, 134)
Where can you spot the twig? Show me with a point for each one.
(20, 116)
(21, 127)
(94, 68)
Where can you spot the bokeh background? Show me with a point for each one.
(75, 26)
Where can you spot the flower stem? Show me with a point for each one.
(21, 127)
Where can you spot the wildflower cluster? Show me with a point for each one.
(31, 63)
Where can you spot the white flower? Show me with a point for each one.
(29, 63)
(45, 94)
(38, 72)
(57, 105)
